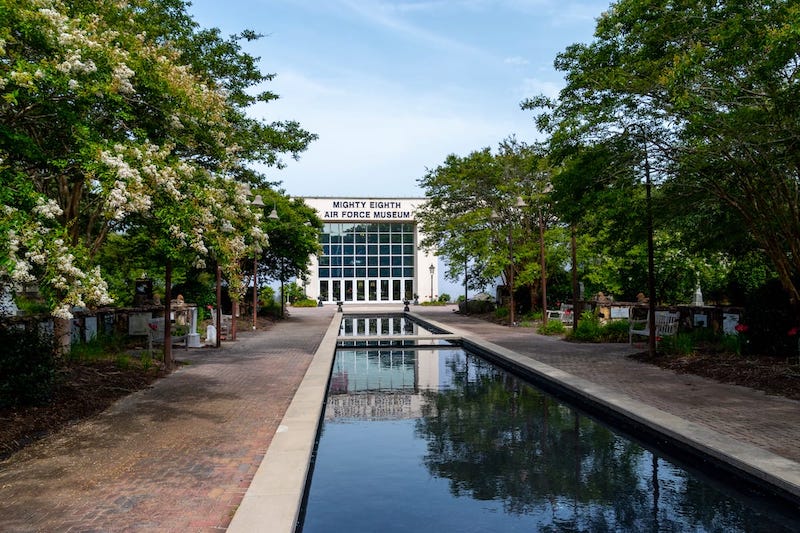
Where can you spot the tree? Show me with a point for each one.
(124, 118)
(293, 238)
(483, 214)
(714, 88)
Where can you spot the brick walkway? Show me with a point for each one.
(177, 457)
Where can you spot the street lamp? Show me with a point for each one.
(273, 215)
(432, 269)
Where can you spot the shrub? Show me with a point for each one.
(553, 327)
(589, 328)
(501, 312)
(305, 302)
(27, 367)
(731, 344)
(615, 331)
(679, 344)
(100, 347)
(445, 298)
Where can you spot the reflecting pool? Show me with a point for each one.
(441, 440)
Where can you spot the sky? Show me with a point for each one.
(393, 87)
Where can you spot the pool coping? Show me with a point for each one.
(272, 501)
(274, 498)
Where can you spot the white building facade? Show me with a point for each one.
(370, 252)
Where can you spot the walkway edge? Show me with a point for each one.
(273, 499)
(763, 465)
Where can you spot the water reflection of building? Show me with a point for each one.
(381, 384)
(388, 325)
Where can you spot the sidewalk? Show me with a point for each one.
(177, 457)
(180, 456)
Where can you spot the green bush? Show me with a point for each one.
(501, 312)
(731, 344)
(679, 344)
(27, 367)
(615, 331)
(589, 328)
(445, 298)
(553, 327)
(98, 348)
(305, 302)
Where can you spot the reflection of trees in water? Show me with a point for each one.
(495, 438)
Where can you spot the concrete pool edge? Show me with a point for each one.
(272, 501)
(773, 470)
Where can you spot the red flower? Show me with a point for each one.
(152, 326)
(794, 331)
(741, 328)
(209, 307)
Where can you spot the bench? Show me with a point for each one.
(564, 314)
(666, 325)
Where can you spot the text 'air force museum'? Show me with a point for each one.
(370, 252)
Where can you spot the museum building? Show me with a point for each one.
(370, 252)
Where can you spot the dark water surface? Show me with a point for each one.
(440, 440)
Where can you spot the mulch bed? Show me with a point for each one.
(83, 389)
(772, 375)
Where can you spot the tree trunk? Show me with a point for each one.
(167, 316)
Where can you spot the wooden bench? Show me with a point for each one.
(666, 325)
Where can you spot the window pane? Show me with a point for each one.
(323, 290)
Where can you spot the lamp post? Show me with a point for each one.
(651, 281)
(227, 227)
(432, 269)
(273, 215)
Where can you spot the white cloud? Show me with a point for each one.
(374, 138)
(516, 61)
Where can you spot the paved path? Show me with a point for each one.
(179, 456)
(174, 458)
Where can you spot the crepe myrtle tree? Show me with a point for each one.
(124, 118)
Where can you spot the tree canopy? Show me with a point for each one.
(126, 117)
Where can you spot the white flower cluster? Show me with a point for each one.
(47, 208)
(74, 64)
(35, 253)
(122, 79)
(127, 195)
